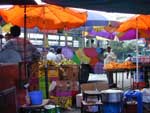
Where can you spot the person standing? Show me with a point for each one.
(129, 58)
(110, 56)
(51, 55)
(59, 55)
(16, 43)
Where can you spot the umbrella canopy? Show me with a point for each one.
(136, 22)
(97, 18)
(131, 34)
(44, 16)
(17, 2)
(103, 33)
(67, 52)
(124, 6)
(90, 52)
(140, 22)
(83, 58)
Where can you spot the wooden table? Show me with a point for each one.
(119, 71)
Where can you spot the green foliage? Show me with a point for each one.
(122, 49)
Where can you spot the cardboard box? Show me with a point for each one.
(71, 72)
(53, 72)
(102, 85)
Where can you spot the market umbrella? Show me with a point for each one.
(90, 52)
(131, 34)
(99, 18)
(103, 33)
(17, 2)
(83, 58)
(75, 59)
(67, 52)
(123, 6)
(139, 22)
(44, 17)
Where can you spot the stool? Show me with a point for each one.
(34, 108)
(95, 97)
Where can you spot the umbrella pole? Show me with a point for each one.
(25, 36)
(137, 55)
(45, 38)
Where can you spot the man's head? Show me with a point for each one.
(15, 31)
(51, 50)
(129, 55)
(108, 49)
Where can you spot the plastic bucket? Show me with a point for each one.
(50, 108)
(36, 97)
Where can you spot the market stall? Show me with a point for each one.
(130, 68)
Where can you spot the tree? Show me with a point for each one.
(122, 49)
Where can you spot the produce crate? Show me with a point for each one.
(53, 71)
(71, 72)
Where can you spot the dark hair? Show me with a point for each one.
(15, 30)
(129, 55)
(58, 51)
(108, 47)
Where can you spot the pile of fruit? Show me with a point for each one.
(67, 62)
(115, 65)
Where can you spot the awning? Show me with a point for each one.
(17, 2)
(123, 6)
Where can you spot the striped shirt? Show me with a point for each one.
(17, 44)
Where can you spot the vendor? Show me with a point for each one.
(110, 56)
(59, 55)
(17, 44)
(129, 58)
(51, 55)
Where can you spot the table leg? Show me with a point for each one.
(122, 80)
(116, 79)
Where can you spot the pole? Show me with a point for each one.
(25, 36)
(137, 52)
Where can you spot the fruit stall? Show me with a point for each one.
(129, 67)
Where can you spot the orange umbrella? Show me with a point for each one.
(44, 16)
(140, 22)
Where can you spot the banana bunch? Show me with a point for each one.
(67, 62)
